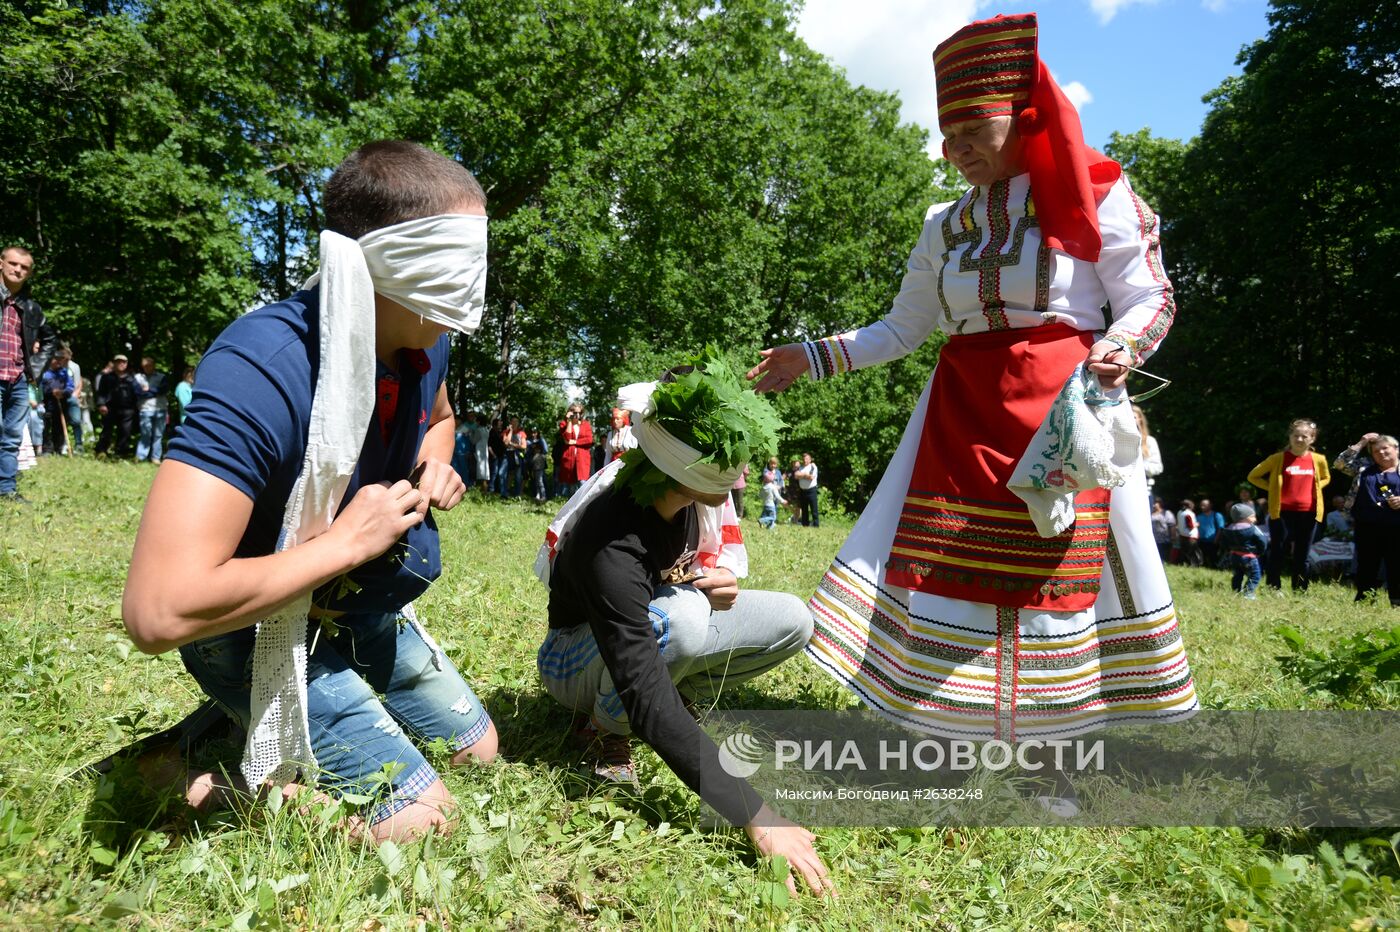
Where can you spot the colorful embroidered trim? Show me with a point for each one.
(983, 676)
(985, 68)
(977, 550)
(828, 356)
(1145, 341)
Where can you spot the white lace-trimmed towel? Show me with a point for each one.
(435, 267)
(1088, 440)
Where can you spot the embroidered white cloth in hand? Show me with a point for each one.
(674, 457)
(1088, 440)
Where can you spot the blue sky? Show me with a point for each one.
(1125, 63)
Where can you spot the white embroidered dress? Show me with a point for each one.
(971, 669)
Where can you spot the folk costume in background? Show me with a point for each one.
(576, 442)
(946, 609)
(620, 438)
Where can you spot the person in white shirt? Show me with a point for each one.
(1151, 454)
(1188, 534)
(76, 408)
(620, 438)
(807, 491)
(938, 555)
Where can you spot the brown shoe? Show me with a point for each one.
(606, 755)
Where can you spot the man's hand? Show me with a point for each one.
(377, 517)
(773, 835)
(1110, 362)
(440, 485)
(720, 586)
(779, 367)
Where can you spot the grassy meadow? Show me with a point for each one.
(538, 847)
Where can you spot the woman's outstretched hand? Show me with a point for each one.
(779, 367)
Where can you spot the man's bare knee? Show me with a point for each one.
(482, 752)
(433, 809)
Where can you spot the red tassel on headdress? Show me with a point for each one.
(1068, 179)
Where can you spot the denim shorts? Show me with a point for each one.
(354, 732)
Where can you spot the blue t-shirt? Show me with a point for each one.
(247, 425)
(1210, 523)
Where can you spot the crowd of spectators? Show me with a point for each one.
(499, 456)
(118, 413)
(1282, 521)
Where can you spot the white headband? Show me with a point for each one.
(675, 458)
(434, 266)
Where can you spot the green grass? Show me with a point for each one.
(538, 847)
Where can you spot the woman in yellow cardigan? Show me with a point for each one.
(1294, 477)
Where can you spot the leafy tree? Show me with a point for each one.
(1282, 241)
(661, 174)
(664, 175)
(134, 238)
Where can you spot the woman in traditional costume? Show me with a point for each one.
(620, 438)
(576, 442)
(946, 609)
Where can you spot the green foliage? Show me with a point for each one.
(715, 412)
(1154, 168)
(1353, 668)
(642, 478)
(535, 846)
(1281, 237)
(709, 408)
(659, 174)
(852, 424)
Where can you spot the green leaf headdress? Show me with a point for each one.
(697, 427)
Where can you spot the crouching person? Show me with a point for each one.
(646, 617)
(288, 529)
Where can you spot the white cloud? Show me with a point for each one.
(887, 44)
(1105, 10)
(1078, 94)
(1215, 6)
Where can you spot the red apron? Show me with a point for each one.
(962, 533)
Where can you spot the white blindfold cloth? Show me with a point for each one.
(434, 267)
(675, 458)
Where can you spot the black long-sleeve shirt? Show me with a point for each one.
(617, 554)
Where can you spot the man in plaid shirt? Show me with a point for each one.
(26, 343)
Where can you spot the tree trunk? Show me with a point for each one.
(507, 345)
(281, 291)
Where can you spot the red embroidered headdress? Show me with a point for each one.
(993, 68)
